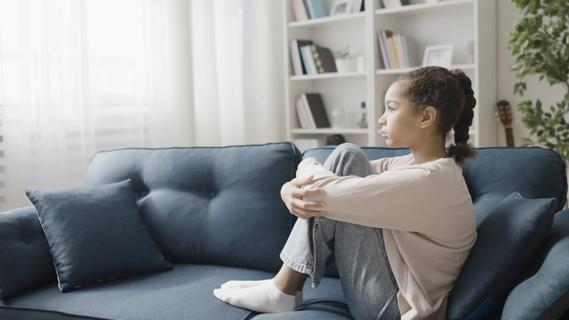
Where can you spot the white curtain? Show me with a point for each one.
(78, 76)
(239, 71)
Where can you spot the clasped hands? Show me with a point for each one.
(292, 193)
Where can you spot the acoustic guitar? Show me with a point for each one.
(505, 113)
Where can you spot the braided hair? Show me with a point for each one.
(450, 92)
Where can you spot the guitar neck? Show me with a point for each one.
(509, 137)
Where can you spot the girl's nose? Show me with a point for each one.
(380, 121)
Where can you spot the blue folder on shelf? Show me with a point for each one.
(316, 8)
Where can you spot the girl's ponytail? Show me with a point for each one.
(461, 149)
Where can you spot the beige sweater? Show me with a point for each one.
(428, 219)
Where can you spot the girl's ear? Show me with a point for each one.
(428, 118)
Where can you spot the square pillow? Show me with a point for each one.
(545, 293)
(508, 239)
(95, 234)
(25, 262)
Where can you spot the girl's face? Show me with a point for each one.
(399, 123)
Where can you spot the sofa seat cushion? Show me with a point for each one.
(186, 292)
(321, 310)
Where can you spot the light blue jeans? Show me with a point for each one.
(359, 252)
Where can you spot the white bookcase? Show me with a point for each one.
(453, 22)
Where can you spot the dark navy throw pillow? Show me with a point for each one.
(545, 293)
(96, 234)
(507, 240)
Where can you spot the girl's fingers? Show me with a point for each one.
(310, 206)
(304, 214)
(312, 192)
(300, 182)
(300, 193)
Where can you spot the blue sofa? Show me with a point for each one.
(216, 214)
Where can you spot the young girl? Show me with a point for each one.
(399, 228)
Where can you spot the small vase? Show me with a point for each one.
(346, 65)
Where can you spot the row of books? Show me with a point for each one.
(313, 9)
(310, 58)
(311, 112)
(396, 50)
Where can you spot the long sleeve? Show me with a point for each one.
(405, 199)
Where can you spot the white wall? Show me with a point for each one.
(507, 15)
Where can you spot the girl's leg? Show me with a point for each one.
(309, 248)
(366, 276)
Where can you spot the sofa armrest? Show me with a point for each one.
(25, 260)
(544, 293)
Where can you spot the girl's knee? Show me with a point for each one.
(349, 146)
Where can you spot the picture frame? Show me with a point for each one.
(439, 55)
(341, 7)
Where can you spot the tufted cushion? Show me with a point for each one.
(545, 294)
(508, 239)
(96, 234)
(25, 262)
(214, 205)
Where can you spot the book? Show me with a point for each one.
(382, 39)
(295, 58)
(396, 50)
(399, 51)
(391, 49)
(300, 45)
(299, 10)
(317, 109)
(309, 115)
(388, 4)
(323, 59)
(301, 114)
(316, 8)
(392, 3)
(411, 51)
(357, 6)
(306, 55)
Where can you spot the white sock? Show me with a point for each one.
(244, 283)
(261, 298)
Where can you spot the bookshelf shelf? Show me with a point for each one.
(421, 8)
(464, 67)
(327, 20)
(471, 23)
(326, 76)
(331, 131)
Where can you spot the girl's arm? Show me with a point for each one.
(402, 199)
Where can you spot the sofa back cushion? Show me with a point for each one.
(25, 261)
(209, 205)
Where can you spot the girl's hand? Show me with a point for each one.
(292, 194)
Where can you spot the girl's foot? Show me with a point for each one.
(244, 284)
(266, 297)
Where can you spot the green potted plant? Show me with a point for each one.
(540, 46)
